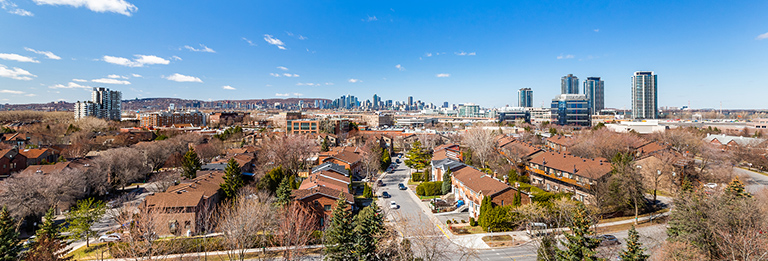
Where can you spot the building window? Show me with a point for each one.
(327, 207)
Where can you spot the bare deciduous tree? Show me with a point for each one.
(294, 229)
(144, 227)
(482, 143)
(122, 166)
(245, 222)
(290, 151)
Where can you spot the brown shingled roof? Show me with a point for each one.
(561, 140)
(34, 153)
(300, 194)
(478, 181)
(589, 168)
(316, 179)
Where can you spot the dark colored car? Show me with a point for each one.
(401, 186)
(385, 195)
(380, 183)
(608, 240)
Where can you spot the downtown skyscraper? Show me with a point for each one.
(645, 102)
(569, 84)
(525, 97)
(104, 104)
(594, 88)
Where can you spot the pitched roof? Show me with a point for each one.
(479, 182)
(330, 166)
(346, 154)
(301, 194)
(725, 139)
(315, 180)
(45, 169)
(34, 153)
(650, 148)
(560, 140)
(447, 163)
(589, 168)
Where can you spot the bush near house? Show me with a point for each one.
(430, 188)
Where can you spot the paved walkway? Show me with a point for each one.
(224, 253)
(475, 241)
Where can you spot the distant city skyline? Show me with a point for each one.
(459, 52)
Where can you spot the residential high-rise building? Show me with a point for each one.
(525, 98)
(595, 90)
(469, 110)
(569, 84)
(376, 101)
(104, 104)
(645, 102)
(410, 101)
(571, 109)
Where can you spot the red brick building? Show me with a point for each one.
(10, 162)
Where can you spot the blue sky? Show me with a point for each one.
(705, 52)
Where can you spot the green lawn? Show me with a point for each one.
(91, 253)
(429, 197)
(414, 183)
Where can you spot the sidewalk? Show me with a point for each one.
(217, 253)
(475, 241)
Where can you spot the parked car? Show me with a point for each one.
(397, 160)
(711, 185)
(385, 195)
(380, 183)
(110, 237)
(401, 186)
(608, 240)
(393, 205)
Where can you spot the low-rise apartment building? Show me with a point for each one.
(185, 205)
(170, 118)
(472, 186)
(566, 173)
(11, 161)
(321, 191)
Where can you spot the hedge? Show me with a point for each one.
(430, 188)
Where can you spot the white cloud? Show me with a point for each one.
(282, 94)
(567, 56)
(13, 9)
(101, 6)
(301, 37)
(176, 58)
(70, 85)
(203, 48)
(282, 68)
(370, 19)
(227, 87)
(274, 75)
(400, 67)
(328, 83)
(115, 76)
(428, 54)
(290, 75)
(136, 75)
(297, 94)
(183, 78)
(18, 58)
(274, 41)
(139, 61)
(249, 42)
(463, 53)
(15, 73)
(49, 55)
(354, 80)
(110, 81)
(30, 95)
(308, 84)
(762, 36)
(596, 30)
(443, 75)
(11, 92)
(79, 80)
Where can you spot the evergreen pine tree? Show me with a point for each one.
(284, 192)
(233, 180)
(369, 225)
(518, 200)
(486, 206)
(736, 188)
(685, 185)
(324, 147)
(446, 182)
(339, 236)
(634, 251)
(385, 159)
(48, 244)
(546, 251)
(10, 245)
(81, 218)
(190, 164)
(579, 246)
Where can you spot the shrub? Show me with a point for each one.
(454, 221)
(420, 190)
(367, 191)
(430, 188)
(416, 176)
(462, 221)
(448, 222)
(472, 222)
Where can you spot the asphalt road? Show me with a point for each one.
(650, 236)
(756, 182)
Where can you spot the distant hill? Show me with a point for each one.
(154, 104)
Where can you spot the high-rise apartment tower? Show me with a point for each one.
(645, 102)
(595, 90)
(569, 84)
(525, 97)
